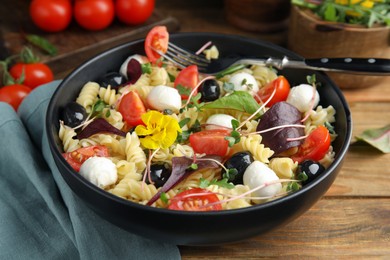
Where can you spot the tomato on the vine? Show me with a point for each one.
(196, 199)
(157, 39)
(187, 78)
(94, 15)
(281, 87)
(210, 142)
(14, 94)
(79, 156)
(34, 74)
(315, 146)
(51, 16)
(134, 12)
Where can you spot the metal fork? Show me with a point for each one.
(183, 58)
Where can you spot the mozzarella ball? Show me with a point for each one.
(244, 81)
(164, 97)
(257, 174)
(141, 59)
(100, 171)
(219, 120)
(301, 97)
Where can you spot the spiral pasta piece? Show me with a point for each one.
(134, 152)
(66, 135)
(108, 95)
(284, 167)
(252, 143)
(88, 95)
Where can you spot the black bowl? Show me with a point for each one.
(198, 228)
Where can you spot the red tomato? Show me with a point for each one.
(35, 74)
(158, 39)
(51, 15)
(94, 15)
(14, 94)
(79, 156)
(131, 107)
(282, 87)
(315, 146)
(195, 199)
(134, 12)
(211, 142)
(188, 78)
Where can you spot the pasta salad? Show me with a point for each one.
(175, 138)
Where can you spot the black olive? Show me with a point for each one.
(311, 169)
(113, 79)
(159, 174)
(209, 90)
(73, 114)
(239, 161)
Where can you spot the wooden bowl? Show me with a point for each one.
(258, 15)
(313, 38)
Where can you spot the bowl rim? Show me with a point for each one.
(56, 153)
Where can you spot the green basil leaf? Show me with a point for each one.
(238, 100)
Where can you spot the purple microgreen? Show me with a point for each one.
(203, 47)
(99, 125)
(280, 114)
(134, 71)
(180, 170)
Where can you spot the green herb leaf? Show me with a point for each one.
(146, 68)
(42, 43)
(378, 138)
(238, 100)
(203, 183)
(228, 87)
(164, 197)
(230, 70)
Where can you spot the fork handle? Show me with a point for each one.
(352, 65)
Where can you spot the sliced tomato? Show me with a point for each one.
(79, 156)
(282, 87)
(211, 142)
(131, 107)
(188, 78)
(195, 199)
(157, 39)
(315, 146)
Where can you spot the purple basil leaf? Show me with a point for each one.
(180, 170)
(134, 71)
(281, 113)
(99, 125)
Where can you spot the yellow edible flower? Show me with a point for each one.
(159, 131)
(366, 4)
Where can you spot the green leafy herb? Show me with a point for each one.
(367, 12)
(193, 166)
(235, 136)
(164, 197)
(203, 183)
(230, 174)
(42, 43)
(378, 138)
(98, 107)
(293, 186)
(146, 68)
(228, 87)
(171, 77)
(238, 100)
(302, 176)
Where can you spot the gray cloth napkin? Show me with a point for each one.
(40, 216)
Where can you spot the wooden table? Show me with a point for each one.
(353, 219)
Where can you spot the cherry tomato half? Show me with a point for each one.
(79, 156)
(282, 87)
(195, 199)
(158, 39)
(315, 146)
(134, 12)
(188, 78)
(211, 142)
(14, 94)
(51, 16)
(94, 15)
(35, 74)
(131, 107)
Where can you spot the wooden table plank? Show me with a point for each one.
(357, 228)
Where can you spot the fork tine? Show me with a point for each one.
(188, 54)
(169, 58)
